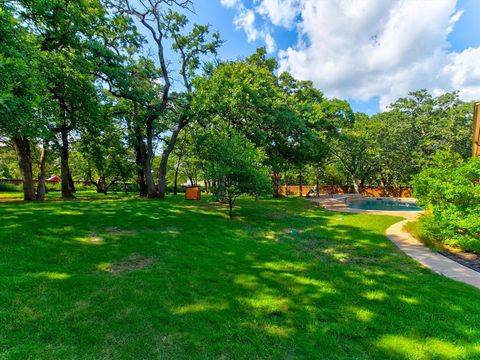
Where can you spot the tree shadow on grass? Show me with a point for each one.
(219, 288)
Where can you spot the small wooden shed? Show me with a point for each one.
(476, 130)
(193, 193)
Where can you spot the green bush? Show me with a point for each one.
(180, 189)
(53, 187)
(450, 187)
(120, 188)
(82, 187)
(7, 187)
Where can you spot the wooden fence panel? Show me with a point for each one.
(372, 191)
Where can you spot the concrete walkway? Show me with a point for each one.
(407, 243)
(430, 259)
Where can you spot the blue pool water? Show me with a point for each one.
(384, 204)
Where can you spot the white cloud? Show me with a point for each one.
(229, 3)
(463, 73)
(270, 44)
(367, 48)
(280, 12)
(245, 19)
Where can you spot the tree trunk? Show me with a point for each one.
(147, 162)
(101, 185)
(139, 161)
(64, 154)
(41, 190)
(220, 190)
(276, 184)
(176, 177)
(113, 182)
(355, 184)
(384, 181)
(300, 186)
(162, 170)
(71, 183)
(230, 207)
(140, 149)
(22, 148)
(317, 185)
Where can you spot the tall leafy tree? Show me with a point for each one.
(316, 119)
(22, 92)
(75, 39)
(190, 44)
(136, 89)
(353, 146)
(236, 165)
(435, 123)
(246, 96)
(105, 158)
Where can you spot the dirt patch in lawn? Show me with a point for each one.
(132, 263)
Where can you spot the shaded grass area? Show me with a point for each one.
(138, 279)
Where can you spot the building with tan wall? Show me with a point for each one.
(476, 130)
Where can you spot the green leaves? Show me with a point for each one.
(395, 145)
(450, 187)
(235, 164)
(22, 86)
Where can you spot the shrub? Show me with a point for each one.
(7, 187)
(83, 187)
(236, 165)
(120, 188)
(450, 187)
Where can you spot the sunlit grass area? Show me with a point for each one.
(138, 279)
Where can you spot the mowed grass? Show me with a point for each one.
(149, 279)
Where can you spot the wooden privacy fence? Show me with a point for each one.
(374, 191)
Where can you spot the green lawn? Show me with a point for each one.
(143, 279)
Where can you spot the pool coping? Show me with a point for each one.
(338, 203)
(405, 199)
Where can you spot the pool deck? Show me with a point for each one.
(339, 203)
(406, 242)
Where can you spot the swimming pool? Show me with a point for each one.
(384, 204)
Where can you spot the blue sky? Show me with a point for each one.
(367, 51)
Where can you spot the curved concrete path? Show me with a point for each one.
(411, 246)
(430, 259)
